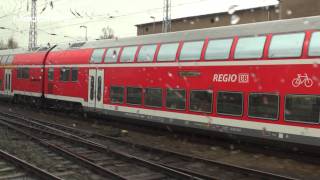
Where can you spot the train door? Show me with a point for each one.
(7, 81)
(95, 88)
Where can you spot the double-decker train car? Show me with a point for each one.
(258, 80)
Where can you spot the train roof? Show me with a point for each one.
(12, 51)
(251, 29)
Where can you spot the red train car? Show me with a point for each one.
(256, 80)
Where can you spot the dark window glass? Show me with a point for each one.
(99, 89)
(23, 73)
(303, 108)
(97, 56)
(264, 106)
(201, 101)
(134, 95)
(50, 74)
(230, 103)
(74, 74)
(65, 74)
(91, 88)
(19, 73)
(116, 94)
(176, 99)
(153, 97)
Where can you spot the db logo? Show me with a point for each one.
(243, 78)
(302, 80)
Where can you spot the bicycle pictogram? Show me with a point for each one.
(302, 80)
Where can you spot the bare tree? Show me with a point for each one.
(11, 44)
(107, 33)
(2, 45)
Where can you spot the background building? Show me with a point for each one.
(285, 10)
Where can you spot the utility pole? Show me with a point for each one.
(166, 23)
(33, 26)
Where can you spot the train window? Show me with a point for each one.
(264, 106)
(128, 54)
(191, 51)
(250, 47)
(153, 97)
(74, 74)
(23, 73)
(112, 55)
(218, 49)
(64, 74)
(286, 45)
(230, 103)
(4, 59)
(134, 95)
(168, 52)
(201, 101)
(9, 60)
(314, 47)
(92, 85)
(51, 74)
(116, 94)
(302, 108)
(146, 53)
(176, 99)
(97, 56)
(99, 93)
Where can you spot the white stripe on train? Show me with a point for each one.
(183, 64)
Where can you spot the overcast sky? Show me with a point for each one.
(63, 20)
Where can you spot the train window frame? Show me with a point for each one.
(191, 58)
(270, 56)
(153, 88)
(202, 90)
(60, 74)
(23, 73)
(106, 60)
(133, 54)
(226, 114)
(95, 61)
(261, 49)
(134, 87)
(257, 117)
(72, 69)
(310, 47)
(175, 55)
(185, 98)
(4, 59)
(123, 94)
(51, 70)
(285, 105)
(140, 60)
(216, 40)
(9, 59)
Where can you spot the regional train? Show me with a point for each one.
(258, 80)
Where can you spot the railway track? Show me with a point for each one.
(13, 168)
(195, 166)
(100, 159)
